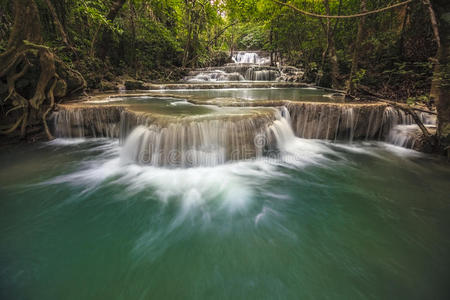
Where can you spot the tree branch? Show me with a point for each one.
(342, 17)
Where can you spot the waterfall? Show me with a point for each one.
(333, 121)
(198, 142)
(253, 74)
(248, 66)
(214, 75)
(282, 131)
(76, 122)
(213, 139)
(241, 57)
(403, 131)
(404, 136)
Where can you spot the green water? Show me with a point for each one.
(361, 221)
(175, 107)
(293, 94)
(159, 105)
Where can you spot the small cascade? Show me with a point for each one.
(242, 57)
(247, 66)
(332, 121)
(404, 136)
(281, 130)
(403, 131)
(213, 75)
(201, 142)
(234, 72)
(254, 74)
(84, 121)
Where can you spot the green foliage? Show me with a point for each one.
(95, 11)
(418, 99)
(150, 36)
(359, 76)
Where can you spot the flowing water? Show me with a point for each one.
(243, 57)
(246, 66)
(293, 94)
(90, 218)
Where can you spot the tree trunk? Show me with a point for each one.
(58, 23)
(434, 25)
(107, 34)
(133, 17)
(441, 75)
(402, 30)
(271, 45)
(189, 24)
(334, 63)
(355, 59)
(332, 50)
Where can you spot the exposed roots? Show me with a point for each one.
(51, 97)
(14, 126)
(44, 92)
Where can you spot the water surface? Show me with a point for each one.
(293, 94)
(325, 221)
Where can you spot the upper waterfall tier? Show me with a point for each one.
(247, 66)
(234, 72)
(242, 57)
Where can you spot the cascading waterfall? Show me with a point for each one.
(241, 57)
(209, 143)
(403, 131)
(213, 75)
(234, 73)
(216, 139)
(332, 121)
(196, 142)
(261, 75)
(79, 122)
(249, 66)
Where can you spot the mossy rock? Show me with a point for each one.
(108, 86)
(60, 89)
(73, 81)
(135, 85)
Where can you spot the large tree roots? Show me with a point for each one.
(38, 103)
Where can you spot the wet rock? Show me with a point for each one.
(291, 74)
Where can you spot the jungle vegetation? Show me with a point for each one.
(52, 49)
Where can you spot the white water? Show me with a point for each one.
(216, 75)
(202, 177)
(216, 139)
(247, 66)
(235, 183)
(241, 57)
(210, 176)
(404, 132)
(188, 143)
